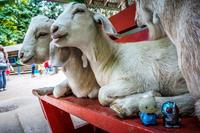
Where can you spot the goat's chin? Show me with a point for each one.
(33, 60)
(28, 62)
(60, 42)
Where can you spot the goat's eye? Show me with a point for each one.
(42, 34)
(79, 11)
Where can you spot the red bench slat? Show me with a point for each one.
(91, 111)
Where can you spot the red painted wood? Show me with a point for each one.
(43, 109)
(85, 128)
(124, 20)
(59, 120)
(103, 117)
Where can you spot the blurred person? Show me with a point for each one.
(8, 69)
(40, 68)
(46, 66)
(3, 66)
(33, 71)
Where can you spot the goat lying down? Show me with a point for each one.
(180, 20)
(36, 48)
(124, 71)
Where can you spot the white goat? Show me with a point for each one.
(180, 19)
(123, 71)
(35, 49)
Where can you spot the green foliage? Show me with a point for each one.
(15, 16)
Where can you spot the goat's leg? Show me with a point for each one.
(58, 91)
(128, 106)
(116, 89)
(61, 89)
(45, 91)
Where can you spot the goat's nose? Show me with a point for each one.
(21, 55)
(54, 29)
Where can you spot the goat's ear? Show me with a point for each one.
(85, 61)
(107, 25)
(156, 18)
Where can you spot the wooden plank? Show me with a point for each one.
(59, 120)
(103, 117)
(124, 20)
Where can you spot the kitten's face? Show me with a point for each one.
(147, 105)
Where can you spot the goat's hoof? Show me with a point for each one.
(45, 91)
(157, 94)
(40, 92)
(120, 111)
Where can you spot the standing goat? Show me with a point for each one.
(124, 71)
(180, 20)
(36, 48)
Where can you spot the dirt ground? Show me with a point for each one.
(20, 111)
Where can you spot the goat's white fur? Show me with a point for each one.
(80, 81)
(122, 70)
(180, 19)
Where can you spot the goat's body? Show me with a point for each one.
(180, 19)
(182, 25)
(145, 66)
(124, 71)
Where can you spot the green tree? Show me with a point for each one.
(15, 16)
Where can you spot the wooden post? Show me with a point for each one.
(59, 120)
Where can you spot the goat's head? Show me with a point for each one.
(146, 14)
(35, 47)
(77, 26)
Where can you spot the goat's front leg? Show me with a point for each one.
(61, 89)
(58, 91)
(128, 106)
(45, 91)
(116, 89)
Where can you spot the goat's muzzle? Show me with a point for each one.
(54, 29)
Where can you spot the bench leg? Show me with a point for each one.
(59, 121)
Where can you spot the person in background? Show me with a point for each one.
(33, 71)
(40, 68)
(3, 66)
(46, 66)
(8, 69)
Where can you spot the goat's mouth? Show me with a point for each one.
(27, 60)
(57, 38)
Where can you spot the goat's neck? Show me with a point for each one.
(101, 53)
(101, 49)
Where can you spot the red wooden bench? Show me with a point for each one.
(103, 119)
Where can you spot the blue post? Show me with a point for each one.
(18, 64)
(18, 69)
